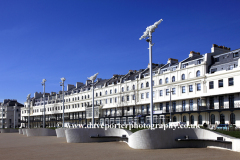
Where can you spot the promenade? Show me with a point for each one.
(14, 146)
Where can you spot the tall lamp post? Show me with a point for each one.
(148, 33)
(43, 84)
(2, 115)
(170, 108)
(92, 78)
(14, 109)
(28, 99)
(62, 84)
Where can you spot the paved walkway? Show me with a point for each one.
(18, 147)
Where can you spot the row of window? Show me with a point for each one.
(220, 83)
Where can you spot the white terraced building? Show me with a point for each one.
(205, 89)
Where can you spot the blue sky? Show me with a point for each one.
(75, 39)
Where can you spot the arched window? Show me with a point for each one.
(122, 98)
(82, 97)
(192, 119)
(184, 119)
(212, 119)
(127, 88)
(222, 119)
(142, 85)
(183, 76)
(87, 96)
(96, 94)
(166, 80)
(100, 94)
(133, 87)
(152, 83)
(173, 78)
(232, 118)
(198, 74)
(115, 90)
(200, 119)
(122, 89)
(110, 91)
(105, 92)
(160, 81)
(174, 119)
(147, 84)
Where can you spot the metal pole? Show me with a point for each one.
(29, 112)
(44, 105)
(14, 114)
(151, 87)
(93, 102)
(170, 104)
(2, 115)
(62, 83)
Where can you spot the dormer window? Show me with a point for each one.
(213, 70)
(235, 55)
(199, 61)
(174, 68)
(216, 59)
(164, 70)
(185, 65)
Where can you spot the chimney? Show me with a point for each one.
(192, 53)
(79, 84)
(219, 49)
(70, 86)
(172, 60)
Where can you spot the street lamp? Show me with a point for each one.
(43, 84)
(170, 91)
(2, 115)
(14, 109)
(62, 84)
(28, 99)
(148, 33)
(92, 78)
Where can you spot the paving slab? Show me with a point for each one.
(19, 147)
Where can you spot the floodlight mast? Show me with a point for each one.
(62, 84)
(92, 78)
(2, 114)
(148, 33)
(14, 112)
(43, 84)
(28, 99)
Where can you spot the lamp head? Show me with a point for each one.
(63, 79)
(43, 81)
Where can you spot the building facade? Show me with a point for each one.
(7, 113)
(204, 89)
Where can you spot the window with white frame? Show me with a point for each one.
(142, 95)
(147, 95)
(173, 78)
(167, 91)
(183, 89)
(173, 91)
(199, 87)
(161, 93)
(166, 80)
(183, 76)
(190, 88)
(160, 81)
(198, 74)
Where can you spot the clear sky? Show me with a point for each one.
(75, 39)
